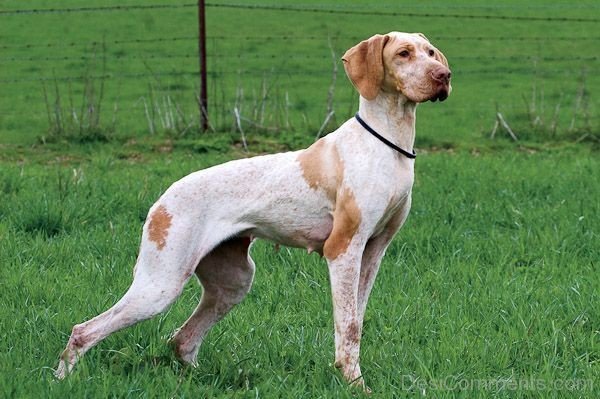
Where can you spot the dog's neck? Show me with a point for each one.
(392, 116)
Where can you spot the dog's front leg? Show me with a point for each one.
(344, 272)
(373, 254)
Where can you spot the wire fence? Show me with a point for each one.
(319, 38)
(263, 7)
(235, 56)
(149, 57)
(69, 10)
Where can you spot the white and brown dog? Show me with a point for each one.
(344, 197)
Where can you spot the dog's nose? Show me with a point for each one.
(441, 74)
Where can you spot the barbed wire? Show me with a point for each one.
(264, 7)
(261, 73)
(100, 42)
(399, 14)
(276, 56)
(287, 37)
(100, 57)
(323, 6)
(470, 5)
(98, 77)
(68, 10)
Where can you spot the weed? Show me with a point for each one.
(79, 122)
(165, 115)
(45, 218)
(11, 183)
(565, 117)
(265, 110)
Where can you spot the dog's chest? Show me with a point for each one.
(393, 196)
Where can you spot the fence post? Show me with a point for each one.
(203, 100)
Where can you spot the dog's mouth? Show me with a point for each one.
(436, 90)
(441, 95)
(441, 81)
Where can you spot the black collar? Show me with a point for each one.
(369, 129)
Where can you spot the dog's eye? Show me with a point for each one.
(431, 52)
(404, 53)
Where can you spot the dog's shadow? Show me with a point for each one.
(226, 375)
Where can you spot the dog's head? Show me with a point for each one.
(406, 63)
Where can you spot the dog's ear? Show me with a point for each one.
(364, 65)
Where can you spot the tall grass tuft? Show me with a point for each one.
(165, 115)
(562, 117)
(80, 120)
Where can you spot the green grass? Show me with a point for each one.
(493, 277)
(490, 289)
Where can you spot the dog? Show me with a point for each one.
(343, 197)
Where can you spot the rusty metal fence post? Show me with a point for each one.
(203, 100)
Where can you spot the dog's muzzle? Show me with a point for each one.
(441, 78)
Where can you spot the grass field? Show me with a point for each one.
(494, 277)
(490, 290)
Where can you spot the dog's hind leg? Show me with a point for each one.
(226, 275)
(166, 261)
(144, 299)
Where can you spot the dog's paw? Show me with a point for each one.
(359, 385)
(184, 355)
(62, 370)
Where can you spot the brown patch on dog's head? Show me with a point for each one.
(346, 220)
(322, 168)
(415, 68)
(364, 65)
(158, 228)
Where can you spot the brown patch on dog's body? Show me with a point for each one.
(323, 169)
(158, 228)
(346, 220)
